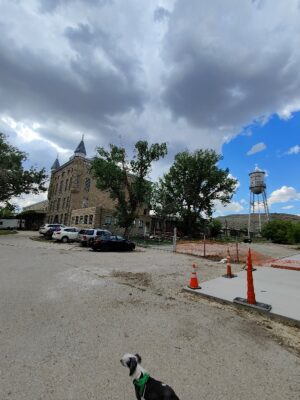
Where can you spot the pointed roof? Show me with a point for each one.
(80, 149)
(55, 165)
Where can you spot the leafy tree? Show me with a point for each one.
(281, 231)
(159, 204)
(126, 181)
(215, 227)
(7, 211)
(14, 179)
(192, 185)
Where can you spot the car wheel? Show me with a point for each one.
(65, 239)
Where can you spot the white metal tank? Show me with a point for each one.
(257, 181)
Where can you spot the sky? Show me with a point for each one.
(220, 75)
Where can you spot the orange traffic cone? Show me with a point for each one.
(228, 273)
(250, 287)
(251, 301)
(194, 284)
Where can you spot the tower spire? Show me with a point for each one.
(80, 149)
(55, 165)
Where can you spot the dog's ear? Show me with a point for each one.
(132, 363)
(139, 358)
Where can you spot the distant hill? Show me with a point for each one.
(240, 221)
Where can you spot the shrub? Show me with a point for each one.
(280, 231)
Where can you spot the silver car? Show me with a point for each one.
(86, 236)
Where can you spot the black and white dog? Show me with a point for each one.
(146, 388)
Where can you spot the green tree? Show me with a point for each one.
(7, 211)
(160, 205)
(281, 231)
(126, 181)
(14, 179)
(192, 185)
(215, 227)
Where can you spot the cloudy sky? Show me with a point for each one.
(195, 73)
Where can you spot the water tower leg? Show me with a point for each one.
(249, 217)
(266, 207)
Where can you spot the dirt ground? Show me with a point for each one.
(68, 314)
(263, 253)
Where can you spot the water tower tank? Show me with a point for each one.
(257, 181)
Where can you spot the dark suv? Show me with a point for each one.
(87, 236)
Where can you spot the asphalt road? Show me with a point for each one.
(67, 315)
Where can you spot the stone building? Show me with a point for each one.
(75, 200)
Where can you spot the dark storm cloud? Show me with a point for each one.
(183, 72)
(86, 41)
(83, 91)
(160, 13)
(210, 92)
(227, 68)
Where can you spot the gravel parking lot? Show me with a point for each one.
(68, 314)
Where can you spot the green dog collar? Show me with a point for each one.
(141, 383)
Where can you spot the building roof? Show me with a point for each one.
(80, 149)
(55, 165)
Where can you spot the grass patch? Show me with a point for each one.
(7, 232)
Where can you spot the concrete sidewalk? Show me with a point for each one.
(277, 287)
(291, 263)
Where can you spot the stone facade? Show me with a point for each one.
(75, 200)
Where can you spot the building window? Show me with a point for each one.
(76, 220)
(70, 183)
(61, 186)
(141, 223)
(91, 217)
(61, 218)
(108, 220)
(63, 203)
(66, 185)
(73, 220)
(85, 203)
(68, 203)
(86, 217)
(81, 219)
(58, 204)
(145, 211)
(65, 219)
(87, 184)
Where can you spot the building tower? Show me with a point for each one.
(55, 165)
(80, 149)
(257, 187)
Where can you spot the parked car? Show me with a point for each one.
(87, 236)
(48, 227)
(66, 234)
(112, 243)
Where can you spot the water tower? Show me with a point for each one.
(257, 203)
